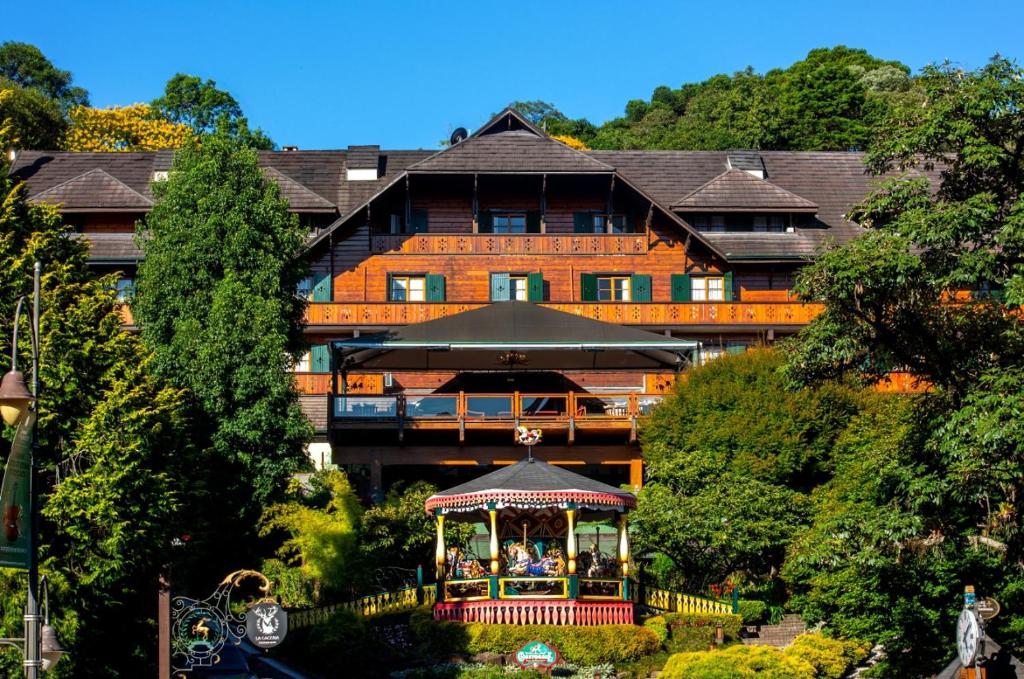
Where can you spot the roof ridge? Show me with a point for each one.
(305, 189)
(148, 201)
(747, 177)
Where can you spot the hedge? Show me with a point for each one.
(578, 645)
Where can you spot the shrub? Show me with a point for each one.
(578, 645)
(752, 611)
(658, 625)
(696, 631)
(765, 662)
(831, 658)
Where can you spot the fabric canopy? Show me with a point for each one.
(530, 484)
(516, 335)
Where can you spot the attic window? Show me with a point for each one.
(748, 161)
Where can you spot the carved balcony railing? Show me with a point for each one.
(625, 313)
(510, 244)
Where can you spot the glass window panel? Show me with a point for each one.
(604, 289)
(618, 224)
(715, 289)
(510, 223)
(519, 289)
(598, 223)
(777, 223)
(623, 289)
(698, 291)
(417, 289)
(398, 289)
(760, 223)
(304, 289)
(717, 224)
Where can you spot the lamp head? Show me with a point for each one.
(50, 648)
(15, 397)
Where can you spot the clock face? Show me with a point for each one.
(968, 634)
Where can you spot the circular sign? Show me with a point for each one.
(266, 625)
(968, 636)
(987, 608)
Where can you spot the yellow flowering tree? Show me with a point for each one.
(571, 142)
(123, 128)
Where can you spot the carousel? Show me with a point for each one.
(534, 571)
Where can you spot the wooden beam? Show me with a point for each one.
(389, 455)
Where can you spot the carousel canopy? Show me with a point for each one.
(537, 337)
(530, 484)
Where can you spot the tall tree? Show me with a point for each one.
(934, 287)
(109, 441)
(36, 121)
(201, 105)
(217, 305)
(27, 66)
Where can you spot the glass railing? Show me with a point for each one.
(601, 405)
(432, 405)
(365, 407)
(543, 405)
(488, 406)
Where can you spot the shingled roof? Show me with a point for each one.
(740, 191)
(94, 190)
(530, 483)
(300, 199)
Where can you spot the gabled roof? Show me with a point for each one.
(300, 199)
(94, 190)
(509, 143)
(737, 190)
(530, 483)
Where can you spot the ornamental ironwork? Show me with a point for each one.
(200, 629)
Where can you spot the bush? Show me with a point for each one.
(752, 611)
(764, 662)
(696, 631)
(362, 647)
(658, 625)
(831, 658)
(578, 645)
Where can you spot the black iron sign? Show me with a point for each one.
(266, 625)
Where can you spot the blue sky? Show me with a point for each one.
(404, 74)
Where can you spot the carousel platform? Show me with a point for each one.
(534, 573)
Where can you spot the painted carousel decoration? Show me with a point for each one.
(534, 573)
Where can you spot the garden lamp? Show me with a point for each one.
(50, 649)
(15, 397)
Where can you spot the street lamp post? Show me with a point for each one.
(15, 402)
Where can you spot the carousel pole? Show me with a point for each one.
(493, 579)
(570, 548)
(439, 552)
(624, 555)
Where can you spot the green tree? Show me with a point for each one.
(926, 499)
(198, 103)
(216, 302)
(27, 66)
(321, 524)
(108, 436)
(36, 121)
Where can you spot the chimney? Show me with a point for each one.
(362, 163)
(289, 148)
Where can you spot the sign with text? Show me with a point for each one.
(16, 536)
(537, 655)
(266, 625)
(987, 608)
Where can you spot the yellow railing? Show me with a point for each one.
(366, 607)
(677, 602)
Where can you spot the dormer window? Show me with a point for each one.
(710, 223)
(770, 223)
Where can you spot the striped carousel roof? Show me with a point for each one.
(530, 484)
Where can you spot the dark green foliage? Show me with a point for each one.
(216, 301)
(346, 645)
(206, 109)
(27, 66)
(752, 611)
(36, 120)
(926, 492)
(696, 631)
(398, 533)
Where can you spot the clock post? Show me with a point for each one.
(970, 638)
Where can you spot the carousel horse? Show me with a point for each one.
(600, 565)
(520, 563)
(458, 566)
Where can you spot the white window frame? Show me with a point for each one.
(412, 286)
(702, 290)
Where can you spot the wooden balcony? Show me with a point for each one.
(625, 313)
(567, 412)
(509, 244)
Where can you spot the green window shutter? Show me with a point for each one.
(500, 287)
(420, 220)
(727, 285)
(535, 287)
(320, 358)
(588, 287)
(532, 222)
(681, 291)
(583, 222)
(640, 287)
(322, 286)
(435, 287)
(485, 222)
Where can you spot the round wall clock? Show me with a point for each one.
(968, 636)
